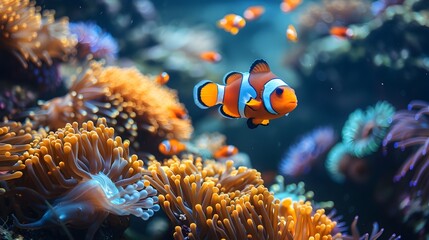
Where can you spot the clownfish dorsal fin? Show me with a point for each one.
(259, 66)
(231, 77)
(254, 104)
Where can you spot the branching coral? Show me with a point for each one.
(31, 36)
(363, 132)
(86, 172)
(213, 201)
(410, 128)
(129, 100)
(15, 139)
(300, 157)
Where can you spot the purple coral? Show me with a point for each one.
(301, 156)
(93, 40)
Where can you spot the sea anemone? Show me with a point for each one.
(300, 157)
(212, 201)
(15, 99)
(410, 128)
(15, 139)
(375, 233)
(85, 172)
(93, 41)
(31, 36)
(141, 110)
(342, 164)
(363, 132)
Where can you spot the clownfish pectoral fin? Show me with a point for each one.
(226, 113)
(208, 94)
(259, 66)
(231, 77)
(254, 104)
(265, 122)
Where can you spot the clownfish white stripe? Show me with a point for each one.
(246, 93)
(220, 93)
(269, 88)
(167, 145)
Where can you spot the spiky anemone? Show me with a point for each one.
(86, 173)
(410, 129)
(31, 36)
(141, 110)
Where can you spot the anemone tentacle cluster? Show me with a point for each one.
(87, 171)
(136, 105)
(32, 36)
(15, 139)
(208, 200)
(363, 132)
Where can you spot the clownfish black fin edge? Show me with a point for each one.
(259, 66)
(231, 77)
(250, 124)
(224, 114)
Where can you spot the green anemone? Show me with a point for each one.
(363, 132)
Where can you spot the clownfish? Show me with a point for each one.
(258, 95)
(171, 147)
(289, 5)
(211, 56)
(291, 34)
(341, 32)
(162, 78)
(253, 12)
(232, 23)
(225, 151)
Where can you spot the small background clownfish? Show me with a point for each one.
(171, 147)
(225, 151)
(258, 95)
(232, 23)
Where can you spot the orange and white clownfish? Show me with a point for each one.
(171, 147)
(258, 95)
(232, 23)
(225, 151)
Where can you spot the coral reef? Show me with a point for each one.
(210, 200)
(302, 156)
(142, 110)
(84, 171)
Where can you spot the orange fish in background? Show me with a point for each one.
(162, 78)
(258, 95)
(291, 34)
(289, 5)
(225, 151)
(341, 32)
(232, 23)
(253, 12)
(171, 147)
(211, 56)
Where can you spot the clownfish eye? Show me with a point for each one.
(279, 91)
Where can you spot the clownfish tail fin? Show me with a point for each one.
(208, 94)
